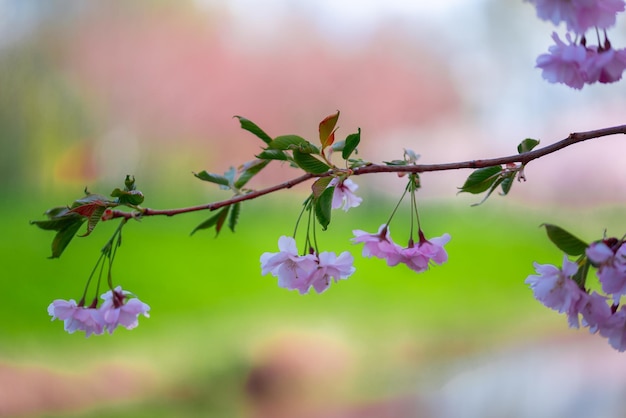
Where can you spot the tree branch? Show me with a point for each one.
(524, 159)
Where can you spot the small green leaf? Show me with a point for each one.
(581, 275)
(493, 187)
(64, 236)
(481, 179)
(395, 162)
(129, 182)
(272, 154)
(352, 141)
(234, 216)
(507, 183)
(565, 241)
(527, 145)
(327, 129)
(216, 220)
(286, 142)
(250, 171)
(309, 163)
(128, 197)
(323, 207)
(254, 129)
(320, 185)
(212, 177)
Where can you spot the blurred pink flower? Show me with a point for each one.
(564, 63)
(291, 269)
(120, 309)
(379, 245)
(329, 266)
(555, 288)
(611, 268)
(418, 257)
(595, 311)
(579, 15)
(344, 194)
(76, 318)
(605, 66)
(615, 330)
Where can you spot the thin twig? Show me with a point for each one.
(524, 159)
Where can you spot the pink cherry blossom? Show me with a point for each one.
(564, 63)
(77, 318)
(418, 257)
(611, 267)
(555, 288)
(343, 196)
(379, 245)
(291, 269)
(615, 330)
(604, 66)
(579, 15)
(120, 309)
(595, 311)
(329, 267)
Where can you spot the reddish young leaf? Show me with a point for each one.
(327, 129)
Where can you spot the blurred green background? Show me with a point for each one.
(90, 93)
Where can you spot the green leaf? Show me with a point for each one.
(493, 187)
(309, 163)
(65, 222)
(481, 179)
(320, 185)
(250, 171)
(254, 129)
(352, 141)
(272, 154)
(507, 183)
(395, 162)
(327, 129)
(234, 216)
(581, 275)
(323, 207)
(286, 142)
(212, 178)
(527, 145)
(216, 220)
(565, 241)
(64, 236)
(129, 183)
(128, 197)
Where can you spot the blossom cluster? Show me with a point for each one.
(117, 309)
(556, 288)
(575, 63)
(416, 256)
(301, 272)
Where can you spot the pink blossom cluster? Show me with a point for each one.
(301, 272)
(556, 289)
(417, 256)
(117, 309)
(575, 63)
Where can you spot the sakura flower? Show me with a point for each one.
(595, 311)
(291, 269)
(611, 269)
(418, 257)
(344, 194)
(564, 63)
(579, 15)
(555, 288)
(120, 309)
(604, 65)
(76, 318)
(615, 330)
(379, 245)
(329, 267)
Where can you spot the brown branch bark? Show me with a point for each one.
(524, 159)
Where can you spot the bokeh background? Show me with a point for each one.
(92, 91)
